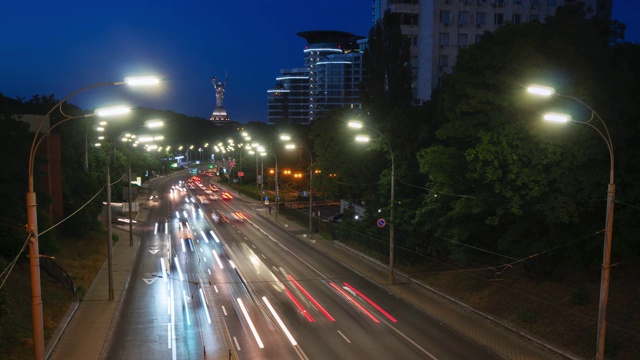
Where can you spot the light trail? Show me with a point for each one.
(214, 236)
(186, 306)
(253, 328)
(371, 302)
(354, 302)
(204, 302)
(204, 236)
(178, 267)
(317, 305)
(215, 254)
(164, 269)
(299, 306)
(275, 315)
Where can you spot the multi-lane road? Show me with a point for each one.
(248, 289)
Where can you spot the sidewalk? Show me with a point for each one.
(86, 328)
(500, 338)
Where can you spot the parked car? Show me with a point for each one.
(336, 218)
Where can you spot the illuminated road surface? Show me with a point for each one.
(202, 290)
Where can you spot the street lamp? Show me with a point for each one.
(611, 190)
(363, 138)
(128, 137)
(285, 137)
(32, 213)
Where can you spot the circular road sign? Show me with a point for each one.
(381, 222)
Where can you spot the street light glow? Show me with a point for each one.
(154, 123)
(289, 146)
(556, 117)
(541, 90)
(141, 80)
(111, 111)
(355, 124)
(362, 138)
(285, 137)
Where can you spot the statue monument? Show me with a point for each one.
(219, 113)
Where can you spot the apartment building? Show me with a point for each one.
(329, 79)
(437, 29)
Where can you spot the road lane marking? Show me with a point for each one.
(236, 341)
(345, 338)
(224, 310)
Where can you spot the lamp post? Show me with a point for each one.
(611, 191)
(363, 138)
(292, 146)
(32, 213)
(128, 137)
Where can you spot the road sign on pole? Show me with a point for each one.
(381, 222)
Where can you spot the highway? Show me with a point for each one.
(249, 289)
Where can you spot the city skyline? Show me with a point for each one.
(62, 47)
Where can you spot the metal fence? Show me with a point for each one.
(58, 272)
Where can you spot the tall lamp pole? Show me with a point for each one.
(32, 214)
(362, 138)
(611, 192)
(292, 146)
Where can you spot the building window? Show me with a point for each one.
(552, 3)
(498, 19)
(463, 18)
(482, 2)
(444, 61)
(444, 39)
(478, 37)
(481, 18)
(516, 19)
(534, 17)
(409, 19)
(445, 17)
(463, 40)
(412, 41)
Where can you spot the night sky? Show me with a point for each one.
(57, 47)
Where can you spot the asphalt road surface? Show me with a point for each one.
(248, 289)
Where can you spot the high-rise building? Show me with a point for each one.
(329, 79)
(437, 29)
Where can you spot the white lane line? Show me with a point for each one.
(169, 335)
(236, 341)
(174, 353)
(224, 310)
(215, 288)
(250, 322)
(264, 257)
(345, 338)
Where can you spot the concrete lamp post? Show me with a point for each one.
(32, 213)
(302, 145)
(363, 138)
(611, 190)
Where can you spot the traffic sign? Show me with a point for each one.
(381, 222)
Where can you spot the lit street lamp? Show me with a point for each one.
(611, 190)
(292, 146)
(32, 213)
(362, 138)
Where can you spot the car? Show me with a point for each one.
(336, 218)
(226, 196)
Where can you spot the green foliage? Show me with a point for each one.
(502, 180)
(387, 79)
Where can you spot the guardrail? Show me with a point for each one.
(58, 272)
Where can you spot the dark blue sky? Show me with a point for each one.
(57, 47)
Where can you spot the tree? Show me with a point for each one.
(387, 70)
(502, 180)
